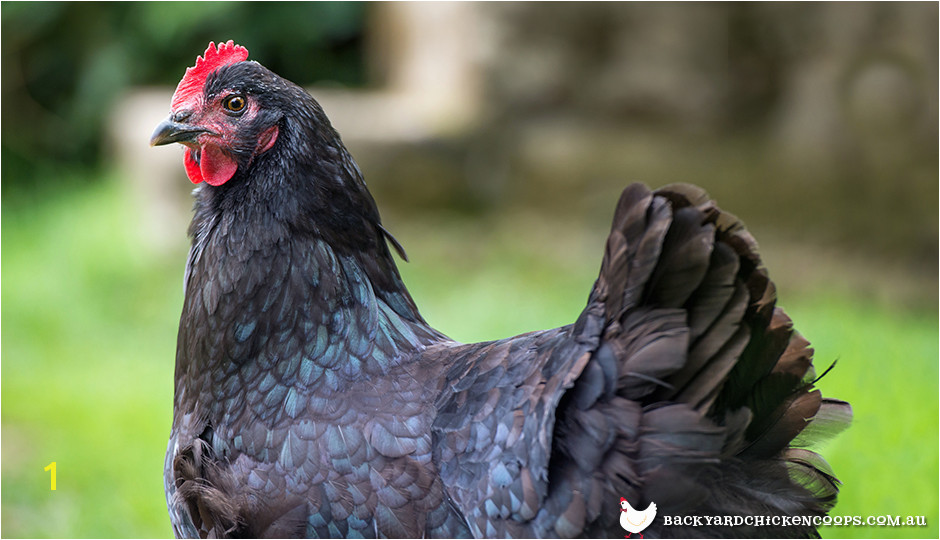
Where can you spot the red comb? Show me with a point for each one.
(214, 58)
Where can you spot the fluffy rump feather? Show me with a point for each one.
(713, 387)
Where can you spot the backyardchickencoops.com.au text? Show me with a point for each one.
(795, 521)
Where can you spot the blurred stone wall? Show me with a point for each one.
(815, 120)
(710, 66)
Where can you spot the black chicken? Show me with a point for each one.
(312, 399)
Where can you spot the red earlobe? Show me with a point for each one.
(266, 140)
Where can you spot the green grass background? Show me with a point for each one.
(89, 327)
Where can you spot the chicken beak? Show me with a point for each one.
(169, 131)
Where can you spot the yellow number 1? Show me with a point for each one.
(51, 467)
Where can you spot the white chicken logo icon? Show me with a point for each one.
(634, 521)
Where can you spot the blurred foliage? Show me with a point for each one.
(88, 340)
(886, 367)
(89, 328)
(64, 63)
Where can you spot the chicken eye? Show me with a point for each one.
(234, 103)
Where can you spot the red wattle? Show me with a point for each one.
(216, 166)
(192, 168)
